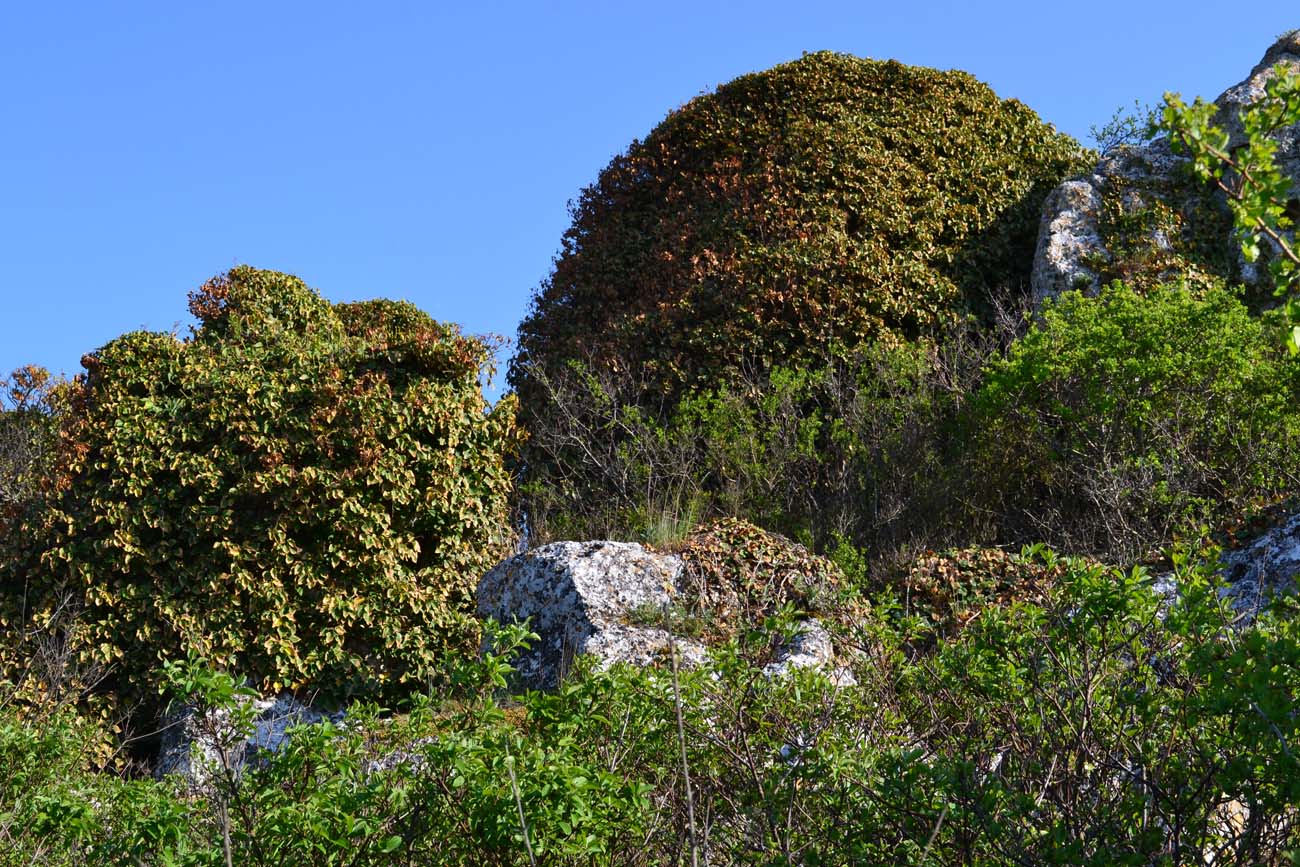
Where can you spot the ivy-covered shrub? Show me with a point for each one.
(827, 200)
(32, 406)
(304, 493)
(1120, 421)
(792, 215)
(739, 574)
(948, 590)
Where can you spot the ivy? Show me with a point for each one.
(302, 492)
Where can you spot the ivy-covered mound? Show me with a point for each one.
(826, 201)
(739, 574)
(304, 493)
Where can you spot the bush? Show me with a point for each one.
(1095, 724)
(1120, 421)
(793, 214)
(953, 588)
(304, 493)
(827, 200)
(858, 452)
(737, 574)
(32, 405)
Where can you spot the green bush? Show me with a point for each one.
(1096, 723)
(858, 452)
(1121, 421)
(304, 493)
(32, 405)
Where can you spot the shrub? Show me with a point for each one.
(32, 405)
(305, 493)
(1097, 723)
(860, 451)
(740, 574)
(951, 589)
(1120, 421)
(830, 199)
(793, 214)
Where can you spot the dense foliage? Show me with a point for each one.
(823, 203)
(1121, 420)
(31, 406)
(1099, 724)
(853, 450)
(743, 574)
(303, 492)
(826, 200)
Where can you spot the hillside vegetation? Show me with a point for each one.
(789, 337)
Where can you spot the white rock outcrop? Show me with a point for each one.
(1070, 242)
(585, 598)
(1253, 574)
(602, 599)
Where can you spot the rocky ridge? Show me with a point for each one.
(1076, 246)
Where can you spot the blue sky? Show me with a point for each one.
(427, 151)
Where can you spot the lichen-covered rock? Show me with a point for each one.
(1081, 240)
(1140, 216)
(1267, 566)
(1068, 240)
(810, 647)
(1286, 51)
(196, 744)
(585, 598)
(1253, 574)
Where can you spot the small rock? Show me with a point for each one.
(811, 647)
(213, 740)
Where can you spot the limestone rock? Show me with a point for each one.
(1267, 566)
(1285, 51)
(811, 647)
(1069, 236)
(213, 738)
(1254, 573)
(585, 598)
(1071, 242)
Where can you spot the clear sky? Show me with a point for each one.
(427, 151)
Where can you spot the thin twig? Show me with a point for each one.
(934, 834)
(519, 803)
(681, 743)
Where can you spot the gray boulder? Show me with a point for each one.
(1261, 570)
(197, 745)
(604, 599)
(1071, 241)
(596, 598)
